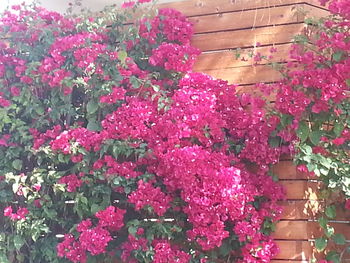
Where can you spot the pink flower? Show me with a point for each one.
(338, 141)
(37, 187)
(347, 204)
(15, 91)
(8, 211)
(22, 212)
(129, 4)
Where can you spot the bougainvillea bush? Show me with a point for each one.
(111, 150)
(313, 105)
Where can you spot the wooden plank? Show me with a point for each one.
(308, 209)
(301, 189)
(305, 230)
(246, 38)
(287, 170)
(246, 75)
(300, 209)
(295, 250)
(288, 261)
(247, 19)
(204, 7)
(227, 58)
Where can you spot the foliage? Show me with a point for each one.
(313, 106)
(111, 149)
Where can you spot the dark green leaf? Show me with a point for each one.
(3, 258)
(93, 126)
(337, 56)
(303, 131)
(315, 137)
(92, 107)
(323, 222)
(275, 142)
(333, 256)
(338, 129)
(18, 242)
(331, 211)
(321, 243)
(17, 164)
(339, 239)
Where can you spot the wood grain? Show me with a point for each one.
(305, 230)
(247, 37)
(227, 58)
(201, 7)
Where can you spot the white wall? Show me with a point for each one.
(61, 5)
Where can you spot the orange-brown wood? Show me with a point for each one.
(201, 7)
(246, 38)
(247, 19)
(246, 75)
(296, 250)
(301, 189)
(305, 230)
(287, 170)
(227, 58)
(308, 209)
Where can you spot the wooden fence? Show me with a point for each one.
(224, 25)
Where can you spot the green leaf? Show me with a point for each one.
(122, 55)
(323, 222)
(333, 256)
(156, 88)
(17, 164)
(132, 230)
(320, 243)
(339, 239)
(92, 107)
(337, 56)
(338, 129)
(18, 242)
(348, 82)
(315, 137)
(3, 258)
(286, 120)
(331, 211)
(275, 141)
(93, 126)
(95, 208)
(303, 131)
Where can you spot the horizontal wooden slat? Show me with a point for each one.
(295, 250)
(287, 170)
(246, 75)
(288, 261)
(304, 230)
(203, 7)
(308, 209)
(301, 189)
(246, 38)
(247, 19)
(300, 209)
(227, 58)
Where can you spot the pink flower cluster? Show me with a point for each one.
(148, 195)
(174, 57)
(169, 23)
(72, 182)
(92, 239)
(19, 215)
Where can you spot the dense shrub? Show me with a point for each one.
(111, 149)
(313, 105)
